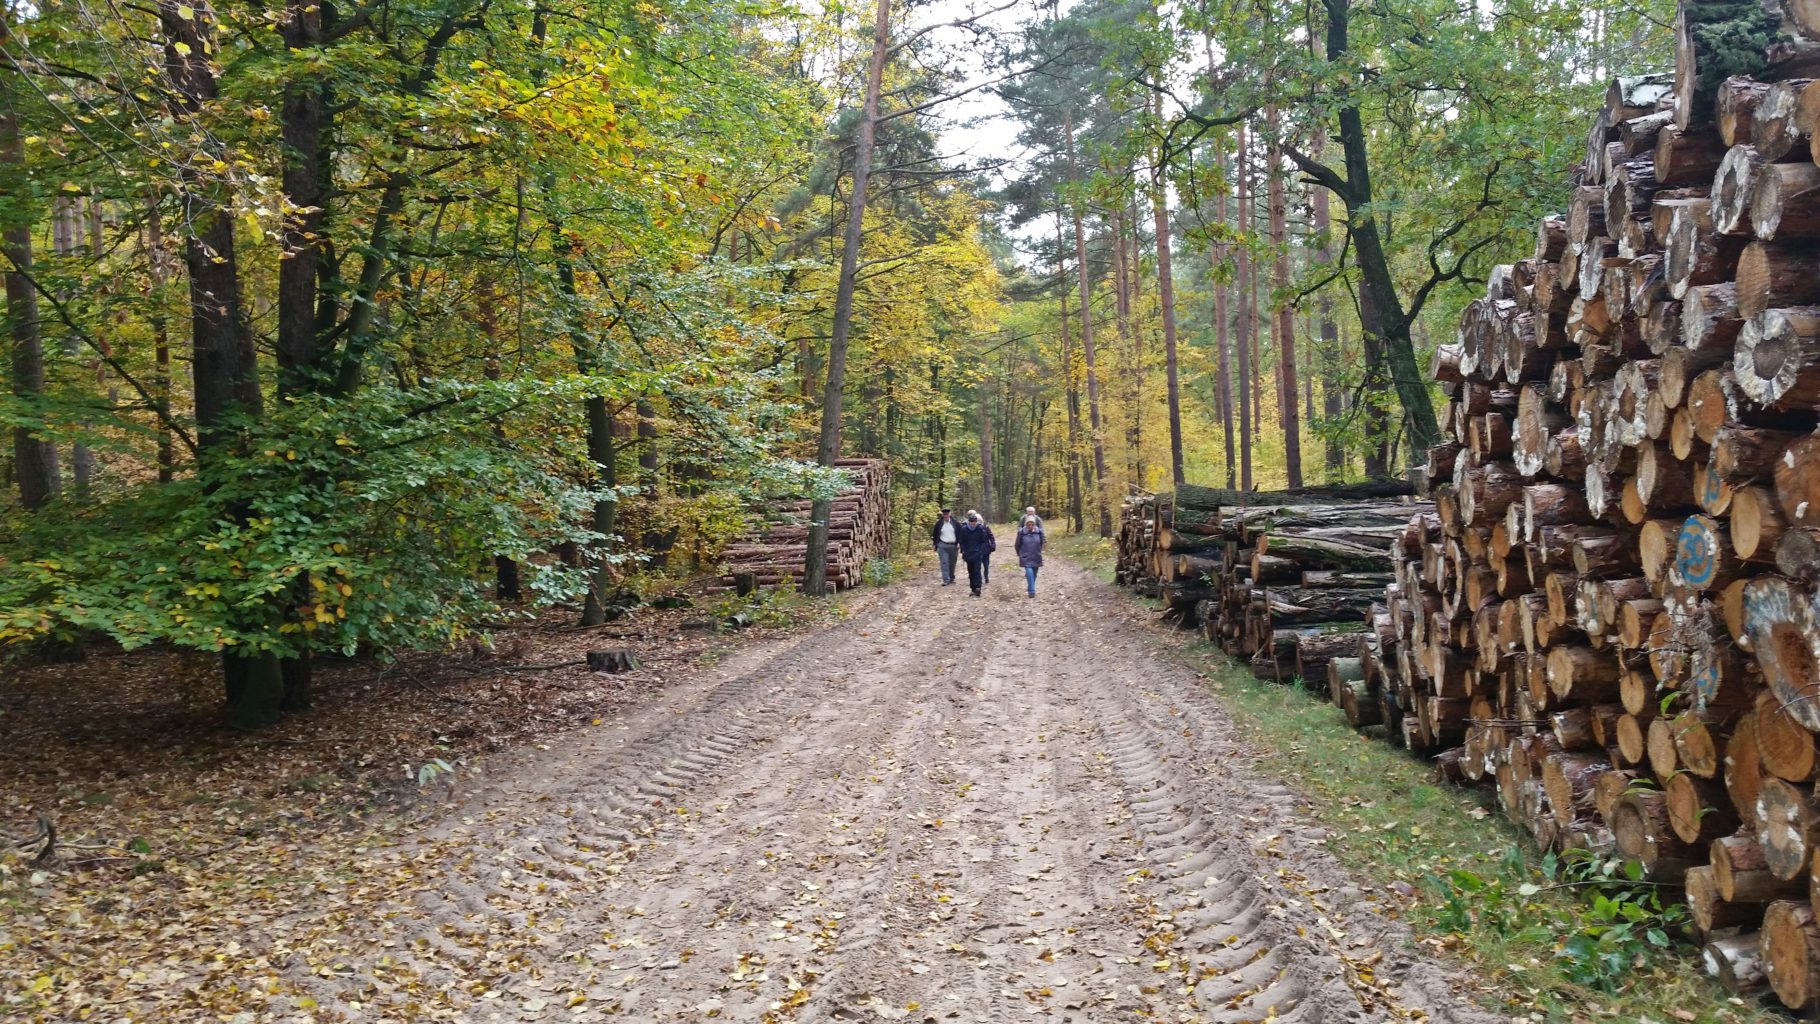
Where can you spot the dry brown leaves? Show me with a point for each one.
(193, 863)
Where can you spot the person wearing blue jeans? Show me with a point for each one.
(1029, 547)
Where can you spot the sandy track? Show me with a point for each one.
(945, 808)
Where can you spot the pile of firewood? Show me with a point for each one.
(1259, 571)
(859, 531)
(1611, 612)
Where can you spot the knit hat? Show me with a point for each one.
(971, 514)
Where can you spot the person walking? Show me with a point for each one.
(1029, 548)
(976, 543)
(1030, 513)
(947, 540)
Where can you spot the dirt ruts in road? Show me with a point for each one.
(944, 808)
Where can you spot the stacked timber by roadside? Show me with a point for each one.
(1255, 571)
(1611, 612)
(859, 530)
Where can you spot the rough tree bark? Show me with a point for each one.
(1222, 338)
(815, 574)
(1283, 316)
(1093, 380)
(224, 365)
(1243, 324)
(1165, 290)
(34, 459)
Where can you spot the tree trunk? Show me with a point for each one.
(1074, 394)
(1283, 319)
(1165, 290)
(1242, 327)
(815, 575)
(223, 362)
(1222, 339)
(983, 396)
(1333, 396)
(161, 339)
(1392, 324)
(34, 459)
(1093, 380)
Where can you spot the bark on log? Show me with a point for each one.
(1791, 950)
(1776, 274)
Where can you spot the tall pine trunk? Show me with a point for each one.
(1075, 511)
(1283, 317)
(1165, 290)
(815, 567)
(1221, 333)
(983, 396)
(1333, 396)
(1093, 380)
(1242, 327)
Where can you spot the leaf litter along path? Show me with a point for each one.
(941, 809)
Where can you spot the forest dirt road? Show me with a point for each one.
(943, 808)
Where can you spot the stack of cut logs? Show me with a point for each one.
(859, 530)
(1259, 571)
(1612, 611)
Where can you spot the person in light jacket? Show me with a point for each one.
(1029, 547)
(947, 539)
(977, 543)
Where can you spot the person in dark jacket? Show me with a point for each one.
(947, 539)
(977, 543)
(1029, 548)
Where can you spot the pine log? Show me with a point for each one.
(1798, 554)
(1569, 779)
(1709, 317)
(1640, 825)
(1744, 769)
(1704, 559)
(1785, 202)
(1777, 358)
(1700, 739)
(1791, 951)
(1711, 913)
(1797, 476)
(1788, 822)
(1757, 522)
(1698, 254)
(1732, 187)
(1687, 156)
(1775, 130)
(1785, 636)
(1698, 809)
(1776, 274)
(1741, 875)
(1736, 962)
(1735, 108)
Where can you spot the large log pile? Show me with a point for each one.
(1257, 571)
(859, 530)
(1611, 612)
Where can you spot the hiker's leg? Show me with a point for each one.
(1030, 579)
